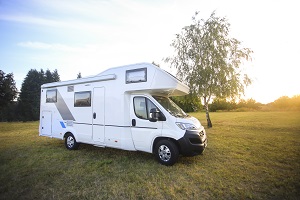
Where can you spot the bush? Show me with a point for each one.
(242, 105)
(286, 103)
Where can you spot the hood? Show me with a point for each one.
(191, 120)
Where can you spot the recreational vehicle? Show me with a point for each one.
(125, 107)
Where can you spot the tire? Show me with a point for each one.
(70, 142)
(166, 152)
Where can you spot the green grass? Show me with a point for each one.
(250, 155)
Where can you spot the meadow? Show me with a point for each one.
(250, 155)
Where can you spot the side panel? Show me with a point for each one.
(117, 120)
(46, 123)
(51, 122)
(98, 114)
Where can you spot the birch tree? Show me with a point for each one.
(209, 60)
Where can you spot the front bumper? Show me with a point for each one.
(193, 143)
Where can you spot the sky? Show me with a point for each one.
(91, 36)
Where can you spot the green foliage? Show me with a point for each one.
(9, 112)
(30, 95)
(55, 76)
(209, 60)
(8, 90)
(286, 103)
(79, 75)
(243, 105)
(250, 104)
(49, 76)
(8, 93)
(222, 104)
(189, 103)
(282, 103)
(29, 99)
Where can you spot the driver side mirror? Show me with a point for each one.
(154, 115)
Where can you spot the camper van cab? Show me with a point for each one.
(126, 107)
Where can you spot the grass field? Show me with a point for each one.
(250, 155)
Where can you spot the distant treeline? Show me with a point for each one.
(285, 103)
(193, 104)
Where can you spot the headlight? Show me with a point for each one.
(186, 126)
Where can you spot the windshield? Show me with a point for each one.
(170, 106)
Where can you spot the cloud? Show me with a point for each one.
(92, 16)
(49, 46)
(56, 23)
(29, 19)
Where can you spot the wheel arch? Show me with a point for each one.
(68, 132)
(165, 138)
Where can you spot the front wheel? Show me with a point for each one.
(166, 152)
(70, 142)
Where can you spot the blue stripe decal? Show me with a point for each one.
(62, 124)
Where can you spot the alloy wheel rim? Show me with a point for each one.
(164, 153)
(70, 141)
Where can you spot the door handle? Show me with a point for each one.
(94, 115)
(133, 122)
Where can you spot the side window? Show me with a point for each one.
(142, 107)
(136, 75)
(82, 99)
(51, 96)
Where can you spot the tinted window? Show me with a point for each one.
(82, 99)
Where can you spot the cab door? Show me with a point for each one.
(143, 131)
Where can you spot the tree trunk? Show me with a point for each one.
(209, 124)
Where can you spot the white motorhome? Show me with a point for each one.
(126, 107)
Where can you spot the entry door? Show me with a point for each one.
(98, 114)
(46, 123)
(143, 131)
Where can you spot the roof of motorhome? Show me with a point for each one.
(159, 80)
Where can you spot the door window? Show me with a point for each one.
(142, 107)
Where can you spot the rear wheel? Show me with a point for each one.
(70, 142)
(166, 152)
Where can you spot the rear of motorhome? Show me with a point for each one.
(125, 107)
